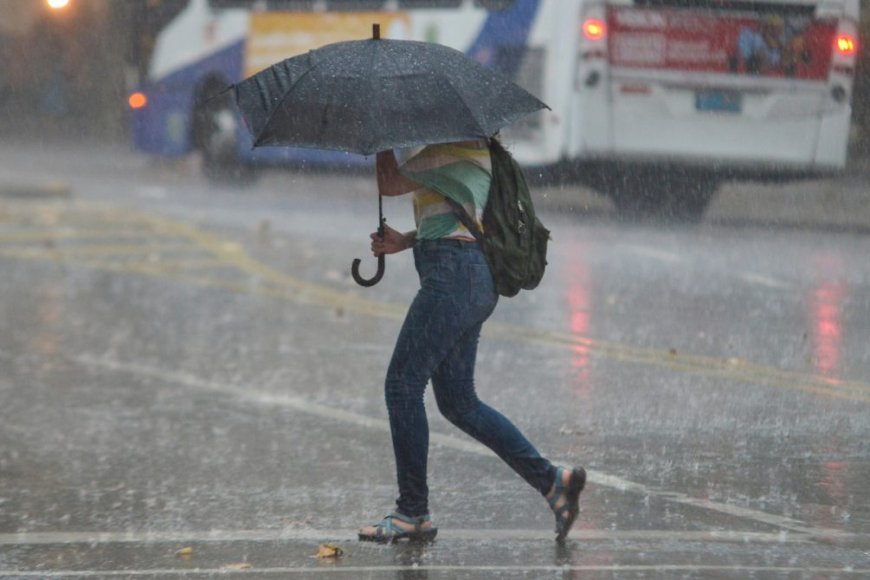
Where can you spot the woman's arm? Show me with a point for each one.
(390, 181)
(393, 241)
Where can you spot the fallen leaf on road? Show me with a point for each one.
(325, 551)
(185, 552)
(237, 566)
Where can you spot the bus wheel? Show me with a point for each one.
(688, 197)
(216, 128)
(690, 205)
(666, 197)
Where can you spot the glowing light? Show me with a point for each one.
(828, 327)
(137, 101)
(594, 29)
(846, 45)
(579, 295)
(57, 4)
(826, 315)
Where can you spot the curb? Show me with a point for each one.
(45, 190)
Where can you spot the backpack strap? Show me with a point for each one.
(466, 220)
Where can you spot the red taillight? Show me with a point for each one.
(846, 44)
(594, 29)
(137, 101)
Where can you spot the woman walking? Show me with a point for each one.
(438, 340)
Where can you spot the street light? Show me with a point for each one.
(57, 4)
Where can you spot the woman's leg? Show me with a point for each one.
(436, 318)
(405, 385)
(453, 384)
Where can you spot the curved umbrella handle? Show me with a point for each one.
(354, 270)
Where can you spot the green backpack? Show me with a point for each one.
(514, 240)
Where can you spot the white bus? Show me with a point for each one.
(653, 102)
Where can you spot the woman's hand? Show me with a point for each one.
(390, 181)
(394, 241)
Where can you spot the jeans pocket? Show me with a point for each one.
(437, 270)
(482, 289)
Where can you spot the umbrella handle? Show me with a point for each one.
(354, 270)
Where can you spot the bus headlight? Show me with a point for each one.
(137, 101)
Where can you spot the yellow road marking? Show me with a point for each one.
(709, 366)
(54, 234)
(158, 267)
(97, 250)
(278, 285)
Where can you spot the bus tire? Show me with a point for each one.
(691, 206)
(215, 136)
(688, 197)
(673, 197)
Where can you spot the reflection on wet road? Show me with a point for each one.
(153, 245)
(172, 384)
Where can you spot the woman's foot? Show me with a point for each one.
(564, 498)
(398, 526)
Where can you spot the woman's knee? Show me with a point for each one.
(399, 394)
(456, 409)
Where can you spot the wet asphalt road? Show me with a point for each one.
(186, 366)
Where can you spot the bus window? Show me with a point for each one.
(149, 18)
(263, 5)
(354, 5)
(412, 4)
(723, 6)
(159, 12)
(495, 5)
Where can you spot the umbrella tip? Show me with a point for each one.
(376, 31)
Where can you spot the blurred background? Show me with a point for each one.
(180, 355)
(67, 66)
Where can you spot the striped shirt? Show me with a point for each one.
(460, 171)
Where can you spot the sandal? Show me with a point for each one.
(387, 532)
(567, 512)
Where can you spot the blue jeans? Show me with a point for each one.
(438, 341)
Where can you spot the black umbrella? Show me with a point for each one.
(366, 96)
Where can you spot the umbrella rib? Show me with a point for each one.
(452, 88)
(392, 58)
(283, 98)
(467, 108)
(372, 76)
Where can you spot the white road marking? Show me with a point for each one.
(345, 535)
(336, 414)
(354, 570)
(653, 253)
(766, 281)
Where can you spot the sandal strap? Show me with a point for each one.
(416, 521)
(386, 529)
(558, 488)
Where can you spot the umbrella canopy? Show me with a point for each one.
(371, 95)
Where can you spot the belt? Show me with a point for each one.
(456, 242)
